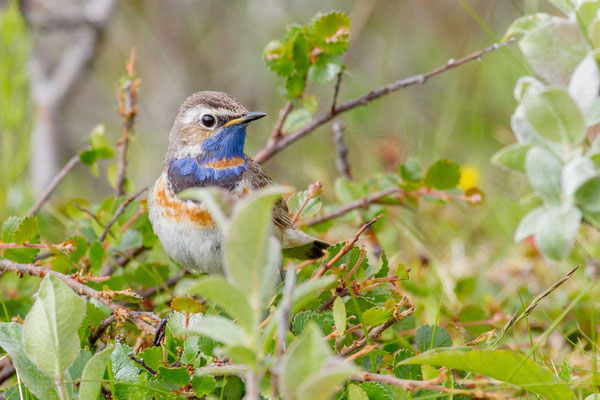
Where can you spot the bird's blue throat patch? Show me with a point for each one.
(222, 162)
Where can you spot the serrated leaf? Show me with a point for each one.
(443, 175)
(411, 170)
(323, 72)
(27, 230)
(406, 371)
(91, 379)
(430, 337)
(355, 392)
(295, 85)
(278, 58)
(177, 376)
(313, 206)
(331, 32)
(556, 231)
(203, 385)
(503, 365)
(186, 305)
(50, 328)
(554, 115)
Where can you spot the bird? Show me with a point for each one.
(206, 149)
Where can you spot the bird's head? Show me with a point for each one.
(207, 139)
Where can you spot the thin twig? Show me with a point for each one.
(151, 291)
(519, 316)
(118, 213)
(140, 362)
(346, 248)
(98, 332)
(432, 384)
(375, 333)
(127, 98)
(80, 288)
(342, 163)
(54, 184)
(336, 92)
(274, 147)
(277, 131)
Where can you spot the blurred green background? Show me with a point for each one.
(191, 45)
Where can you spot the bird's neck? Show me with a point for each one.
(221, 162)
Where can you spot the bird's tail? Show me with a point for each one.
(297, 244)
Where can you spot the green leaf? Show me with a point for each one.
(93, 374)
(512, 156)
(300, 52)
(443, 175)
(576, 172)
(556, 231)
(554, 50)
(297, 119)
(278, 57)
(220, 329)
(186, 305)
(411, 170)
(429, 337)
(308, 369)
(339, 315)
(176, 376)
(295, 85)
(355, 392)
(100, 143)
(96, 255)
(323, 72)
(312, 206)
(592, 116)
(406, 371)
(528, 224)
(526, 24)
(324, 320)
(502, 365)
(27, 230)
(153, 356)
(555, 116)
(125, 371)
(76, 369)
(50, 328)
(376, 316)
(228, 297)
(544, 171)
(11, 340)
(585, 83)
(309, 290)
(521, 127)
(588, 196)
(251, 252)
(331, 32)
(203, 385)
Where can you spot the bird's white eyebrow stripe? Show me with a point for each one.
(195, 113)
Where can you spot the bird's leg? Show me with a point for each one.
(160, 330)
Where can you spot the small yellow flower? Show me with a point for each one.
(469, 177)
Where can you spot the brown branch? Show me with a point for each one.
(360, 203)
(277, 131)
(98, 332)
(81, 289)
(347, 247)
(336, 92)
(122, 260)
(432, 384)
(142, 363)
(151, 291)
(376, 333)
(120, 211)
(342, 163)
(274, 147)
(127, 98)
(54, 184)
(7, 369)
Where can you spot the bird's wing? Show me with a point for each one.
(295, 243)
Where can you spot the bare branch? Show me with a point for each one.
(118, 213)
(140, 362)
(54, 184)
(336, 92)
(342, 163)
(278, 128)
(274, 147)
(81, 289)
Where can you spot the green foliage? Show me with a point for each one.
(552, 121)
(503, 365)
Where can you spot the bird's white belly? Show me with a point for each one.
(186, 230)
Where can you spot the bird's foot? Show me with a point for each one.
(160, 330)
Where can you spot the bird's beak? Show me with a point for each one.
(248, 117)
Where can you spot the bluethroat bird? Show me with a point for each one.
(206, 148)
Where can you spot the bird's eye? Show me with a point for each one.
(208, 120)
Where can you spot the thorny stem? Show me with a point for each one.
(275, 146)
